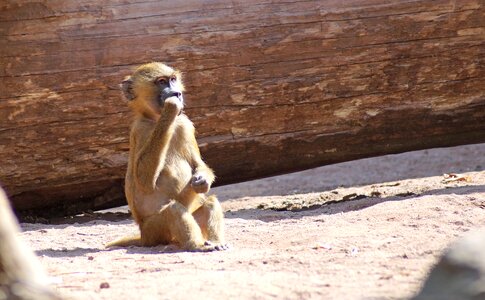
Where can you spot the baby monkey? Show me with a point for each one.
(167, 180)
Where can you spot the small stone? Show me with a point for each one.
(322, 246)
(104, 285)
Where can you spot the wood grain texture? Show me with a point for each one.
(273, 86)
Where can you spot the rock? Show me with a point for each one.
(460, 273)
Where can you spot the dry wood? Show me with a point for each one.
(272, 87)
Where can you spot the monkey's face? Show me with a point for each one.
(169, 87)
(150, 85)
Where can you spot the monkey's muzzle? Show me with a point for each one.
(168, 92)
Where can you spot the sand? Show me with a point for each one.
(367, 229)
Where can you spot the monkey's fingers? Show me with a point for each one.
(218, 246)
(222, 247)
(207, 247)
(200, 185)
(198, 180)
(175, 99)
(173, 104)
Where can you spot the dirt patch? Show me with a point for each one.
(368, 229)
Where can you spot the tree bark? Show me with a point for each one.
(272, 86)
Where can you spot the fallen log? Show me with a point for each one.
(272, 87)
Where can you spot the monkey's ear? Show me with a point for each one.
(127, 88)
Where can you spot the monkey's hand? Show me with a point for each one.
(199, 183)
(173, 106)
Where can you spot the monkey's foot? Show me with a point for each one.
(199, 247)
(218, 246)
(208, 247)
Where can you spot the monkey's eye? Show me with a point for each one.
(173, 79)
(161, 80)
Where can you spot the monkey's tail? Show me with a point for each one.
(125, 242)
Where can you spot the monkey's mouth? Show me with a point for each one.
(179, 96)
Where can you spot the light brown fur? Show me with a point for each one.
(21, 274)
(167, 181)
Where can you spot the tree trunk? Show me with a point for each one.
(272, 86)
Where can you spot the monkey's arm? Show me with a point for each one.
(206, 172)
(151, 152)
(203, 176)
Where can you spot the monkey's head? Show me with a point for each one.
(150, 85)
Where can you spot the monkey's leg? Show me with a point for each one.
(210, 218)
(174, 223)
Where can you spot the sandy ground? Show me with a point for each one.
(368, 229)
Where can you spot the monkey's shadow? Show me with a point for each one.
(162, 249)
(75, 252)
(67, 252)
(268, 214)
(358, 202)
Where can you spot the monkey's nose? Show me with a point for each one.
(176, 94)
